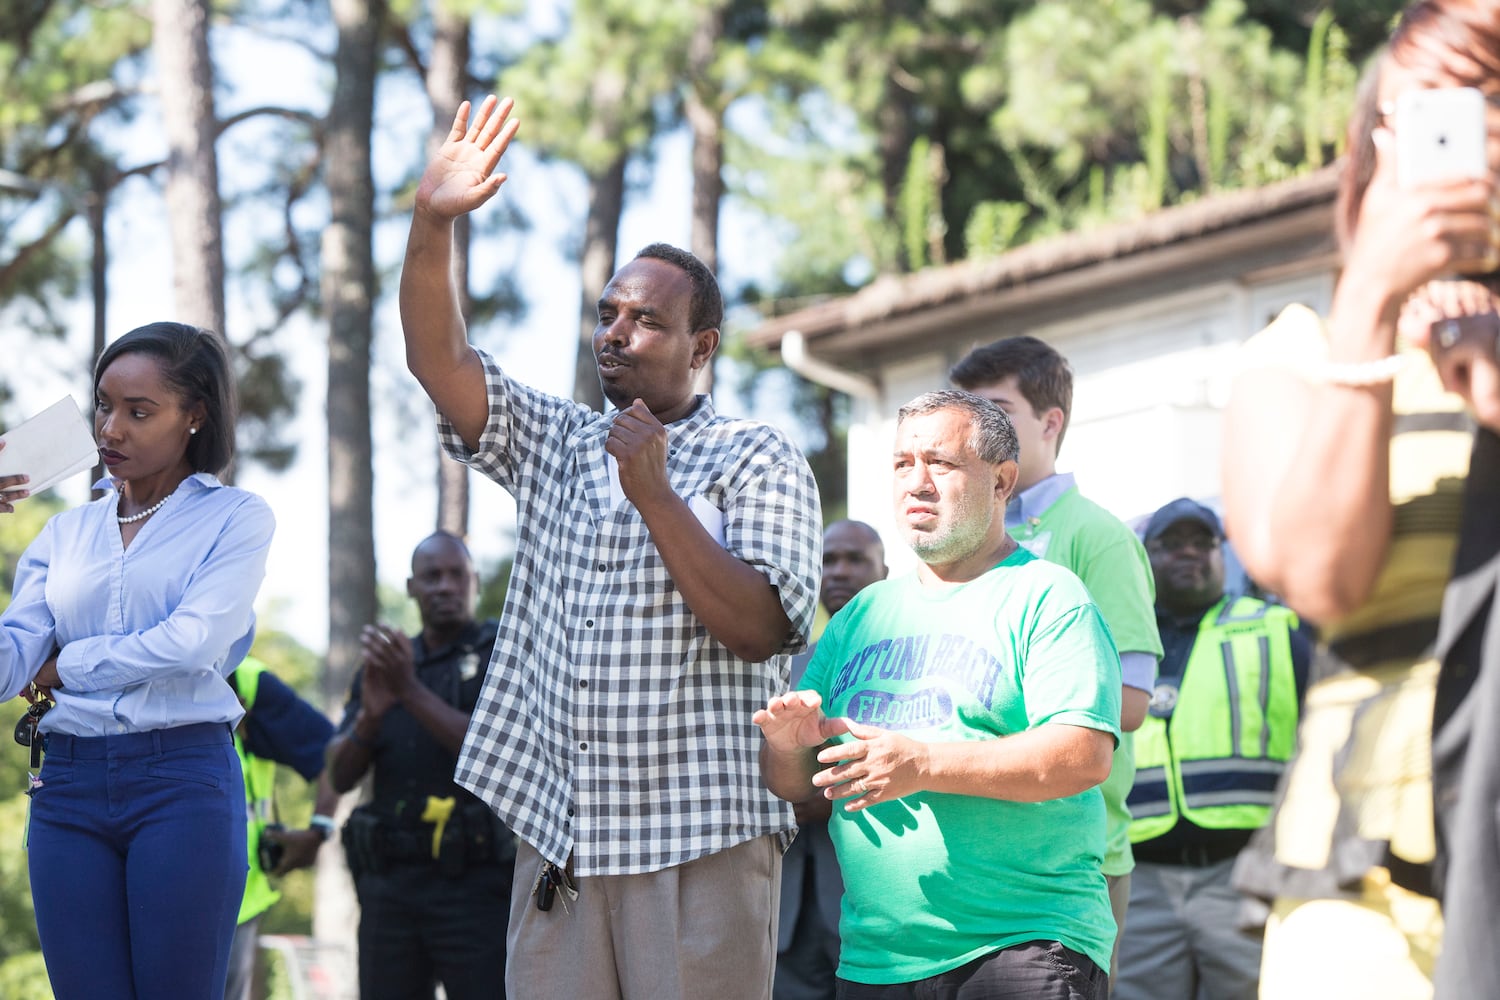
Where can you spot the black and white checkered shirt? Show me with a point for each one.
(612, 726)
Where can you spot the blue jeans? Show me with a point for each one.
(1036, 970)
(138, 862)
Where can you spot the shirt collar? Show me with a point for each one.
(200, 480)
(1037, 499)
(702, 413)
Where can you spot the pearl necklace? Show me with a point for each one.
(145, 513)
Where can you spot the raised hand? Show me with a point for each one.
(461, 175)
(1408, 236)
(795, 721)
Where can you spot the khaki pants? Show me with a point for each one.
(1119, 902)
(1183, 940)
(703, 929)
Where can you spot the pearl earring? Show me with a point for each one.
(192, 430)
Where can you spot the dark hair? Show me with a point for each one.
(1426, 29)
(1359, 141)
(194, 365)
(1042, 374)
(442, 536)
(993, 437)
(707, 309)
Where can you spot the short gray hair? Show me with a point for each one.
(992, 436)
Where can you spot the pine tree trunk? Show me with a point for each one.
(601, 239)
(186, 85)
(705, 117)
(348, 298)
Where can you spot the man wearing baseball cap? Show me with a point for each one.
(1220, 728)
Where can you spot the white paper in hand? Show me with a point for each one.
(50, 447)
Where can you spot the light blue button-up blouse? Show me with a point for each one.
(146, 635)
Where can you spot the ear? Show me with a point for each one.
(411, 589)
(1007, 474)
(705, 342)
(1052, 423)
(197, 415)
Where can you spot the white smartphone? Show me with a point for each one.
(1440, 136)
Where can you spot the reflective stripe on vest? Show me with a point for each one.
(260, 787)
(1217, 759)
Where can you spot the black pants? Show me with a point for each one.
(1036, 970)
(418, 927)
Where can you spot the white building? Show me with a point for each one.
(1148, 313)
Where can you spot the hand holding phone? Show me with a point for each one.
(1440, 136)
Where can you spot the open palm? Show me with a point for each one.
(796, 721)
(462, 176)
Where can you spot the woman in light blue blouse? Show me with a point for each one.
(130, 611)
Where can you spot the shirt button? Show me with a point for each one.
(583, 684)
(589, 623)
(570, 810)
(583, 746)
(603, 567)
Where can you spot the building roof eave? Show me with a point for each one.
(1240, 227)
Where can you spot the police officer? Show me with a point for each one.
(432, 865)
(1220, 728)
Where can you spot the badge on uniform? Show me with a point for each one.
(1163, 700)
(468, 667)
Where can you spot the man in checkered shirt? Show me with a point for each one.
(666, 568)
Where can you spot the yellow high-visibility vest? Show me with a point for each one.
(260, 787)
(1216, 758)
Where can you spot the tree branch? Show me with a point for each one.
(307, 118)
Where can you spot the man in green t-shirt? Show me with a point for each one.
(971, 710)
(1033, 384)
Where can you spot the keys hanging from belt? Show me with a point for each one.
(549, 878)
(26, 733)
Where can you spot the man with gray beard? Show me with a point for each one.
(968, 825)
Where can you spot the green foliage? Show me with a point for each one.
(1316, 51)
(24, 977)
(19, 958)
(1158, 139)
(17, 531)
(1083, 111)
(588, 95)
(397, 609)
(993, 227)
(57, 63)
(920, 205)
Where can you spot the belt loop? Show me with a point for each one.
(156, 742)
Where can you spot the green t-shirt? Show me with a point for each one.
(1077, 533)
(933, 881)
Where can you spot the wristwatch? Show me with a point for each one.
(323, 824)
